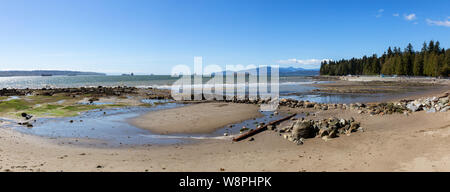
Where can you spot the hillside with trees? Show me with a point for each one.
(431, 60)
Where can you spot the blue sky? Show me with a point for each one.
(153, 36)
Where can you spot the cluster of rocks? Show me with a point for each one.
(430, 105)
(434, 104)
(101, 91)
(380, 108)
(28, 119)
(292, 103)
(301, 129)
(15, 92)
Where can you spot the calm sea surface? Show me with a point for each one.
(296, 87)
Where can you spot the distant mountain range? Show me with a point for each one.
(288, 71)
(292, 71)
(45, 73)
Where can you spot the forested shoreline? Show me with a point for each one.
(431, 60)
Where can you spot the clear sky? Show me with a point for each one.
(152, 36)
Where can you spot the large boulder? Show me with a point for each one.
(413, 106)
(303, 129)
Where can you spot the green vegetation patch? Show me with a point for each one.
(40, 99)
(14, 105)
(41, 106)
(64, 111)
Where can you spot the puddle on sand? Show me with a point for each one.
(110, 128)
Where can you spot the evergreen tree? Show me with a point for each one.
(418, 65)
(432, 60)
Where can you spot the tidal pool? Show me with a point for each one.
(110, 128)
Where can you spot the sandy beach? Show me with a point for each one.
(413, 141)
(391, 143)
(197, 118)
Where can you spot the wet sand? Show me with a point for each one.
(196, 118)
(376, 89)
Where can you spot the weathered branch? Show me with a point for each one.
(264, 127)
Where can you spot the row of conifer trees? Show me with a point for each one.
(431, 60)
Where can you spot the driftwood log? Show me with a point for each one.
(262, 128)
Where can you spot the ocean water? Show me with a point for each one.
(85, 81)
(296, 87)
(157, 81)
(287, 84)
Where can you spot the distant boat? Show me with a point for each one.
(46, 75)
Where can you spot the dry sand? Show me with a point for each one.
(196, 118)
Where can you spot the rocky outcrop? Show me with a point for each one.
(99, 91)
(326, 128)
(430, 105)
(435, 104)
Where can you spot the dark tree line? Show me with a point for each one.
(431, 60)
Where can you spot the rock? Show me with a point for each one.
(299, 142)
(244, 128)
(270, 127)
(323, 132)
(412, 107)
(343, 122)
(445, 109)
(353, 126)
(332, 134)
(26, 116)
(431, 110)
(444, 100)
(302, 129)
(317, 106)
(309, 105)
(287, 128)
(251, 139)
